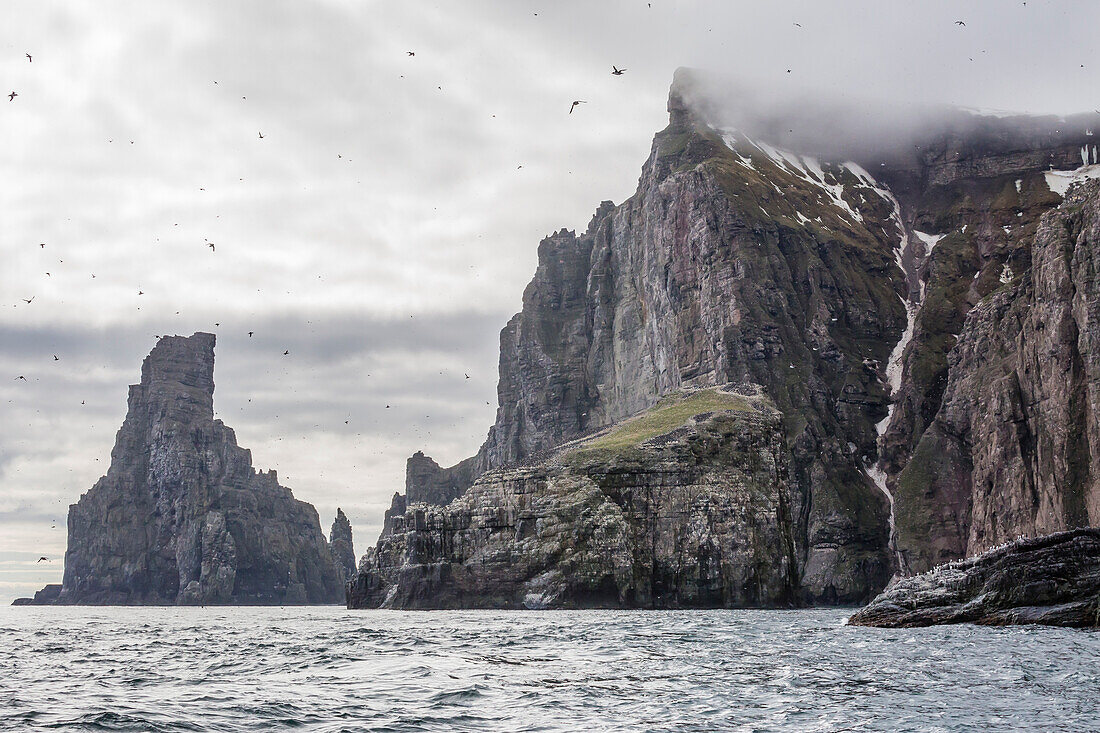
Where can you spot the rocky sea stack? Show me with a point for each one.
(181, 516)
(915, 305)
(341, 545)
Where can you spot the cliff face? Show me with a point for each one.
(1013, 449)
(686, 505)
(841, 293)
(181, 516)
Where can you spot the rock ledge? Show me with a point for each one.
(1052, 580)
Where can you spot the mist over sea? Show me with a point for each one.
(328, 669)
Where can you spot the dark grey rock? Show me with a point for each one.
(341, 546)
(426, 481)
(1052, 580)
(45, 597)
(695, 516)
(1014, 448)
(731, 265)
(181, 516)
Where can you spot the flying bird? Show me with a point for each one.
(55, 358)
(466, 375)
(42, 559)
(798, 24)
(12, 96)
(21, 377)
(28, 302)
(141, 293)
(411, 53)
(286, 353)
(209, 244)
(29, 59)
(261, 135)
(575, 103)
(616, 71)
(250, 334)
(959, 22)
(42, 245)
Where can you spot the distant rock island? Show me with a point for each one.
(912, 308)
(182, 517)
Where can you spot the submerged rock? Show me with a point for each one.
(181, 516)
(685, 505)
(1052, 580)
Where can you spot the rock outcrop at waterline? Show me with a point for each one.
(685, 505)
(181, 516)
(45, 597)
(1052, 580)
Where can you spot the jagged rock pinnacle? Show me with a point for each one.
(181, 516)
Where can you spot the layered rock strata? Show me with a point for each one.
(181, 516)
(1052, 580)
(834, 269)
(1014, 448)
(686, 505)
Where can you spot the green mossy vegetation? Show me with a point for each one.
(673, 411)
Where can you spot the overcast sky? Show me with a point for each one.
(383, 228)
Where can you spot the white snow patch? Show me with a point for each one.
(781, 156)
(801, 219)
(729, 137)
(1006, 274)
(930, 240)
(859, 172)
(1007, 228)
(804, 167)
(893, 364)
(878, 478)
(836, 192)
(1019, 184)
(1060, 181)
(990, 112)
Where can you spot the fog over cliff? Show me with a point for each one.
(384, 226)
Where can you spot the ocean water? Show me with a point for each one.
(328, 669)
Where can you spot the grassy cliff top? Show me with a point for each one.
(671, 412)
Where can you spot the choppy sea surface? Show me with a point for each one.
(329, 669)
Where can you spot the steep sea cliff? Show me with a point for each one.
(863, 288)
